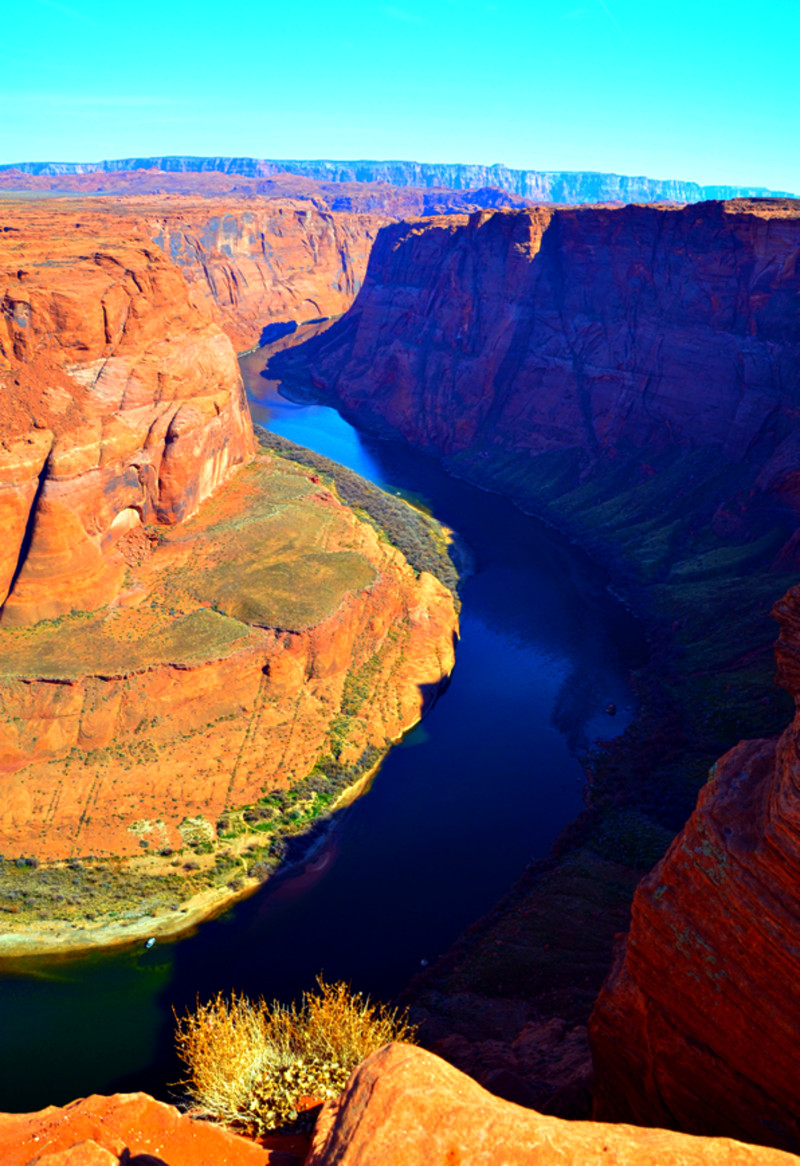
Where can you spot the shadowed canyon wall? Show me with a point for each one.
(704, 991)
(635, 374)
(626, 334)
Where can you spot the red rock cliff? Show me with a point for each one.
(602, 331)
(698, 1026)
(120, 403)
(259, 260)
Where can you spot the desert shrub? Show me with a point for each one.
(251, 1064)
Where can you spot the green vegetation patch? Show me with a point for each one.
(83, 644)
(425, 543)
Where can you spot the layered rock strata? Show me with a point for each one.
(121, 404)
(608, 333)
(404, 1105)
(539, 185)
(704, 990)
(187, 629)
(261, 260)
(271, 632)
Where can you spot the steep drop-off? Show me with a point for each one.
(705, 989)
(633, 374)
(610, 333)
(192, 659)
(121, 404)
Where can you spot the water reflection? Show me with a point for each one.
(452, 818)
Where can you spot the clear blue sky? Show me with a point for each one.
(681, 89)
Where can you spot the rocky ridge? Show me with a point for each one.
(559, 186)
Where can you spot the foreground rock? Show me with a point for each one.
(705, 990)
(127, 1127)
(405, 1106)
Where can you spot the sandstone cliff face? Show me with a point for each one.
(121, 404)
(704, 990)
(171, 650)
(609, 333)
(263, 260)
(114, 731)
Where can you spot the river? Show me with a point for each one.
(485, 783)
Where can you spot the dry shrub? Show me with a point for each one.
(252, 1064)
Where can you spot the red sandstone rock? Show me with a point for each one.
(262, 260)
(601, 331)
(406, 1106)
(699, 1023)
(120, 402)
(105, 1131)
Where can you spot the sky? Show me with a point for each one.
(687, 89)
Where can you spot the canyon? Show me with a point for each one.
(633, 375)
(176, 595)
(189, 623)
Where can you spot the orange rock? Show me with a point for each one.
(517, 334)
(121, 402)
(699, 1023)
(405, 1107)
(105, 1131)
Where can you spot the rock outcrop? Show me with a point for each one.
(601, 331)
(259, 260)
(172, 651)
(698, 1026)
(559, 186)
(129, 1127)
(405, 1106)
(121, 404)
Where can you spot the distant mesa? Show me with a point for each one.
(549, 186)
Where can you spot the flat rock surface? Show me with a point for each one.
(404, 1107)
(128, 1128)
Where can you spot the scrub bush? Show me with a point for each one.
(252, 1065)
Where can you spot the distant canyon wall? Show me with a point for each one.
(258, 261)
(626, 334)
(555, 186)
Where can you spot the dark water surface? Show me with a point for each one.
(485, 783)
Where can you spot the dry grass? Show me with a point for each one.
(253, 1065)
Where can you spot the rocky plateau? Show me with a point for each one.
(557, 186)
(187, 625)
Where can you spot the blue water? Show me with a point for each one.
(455, 813)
